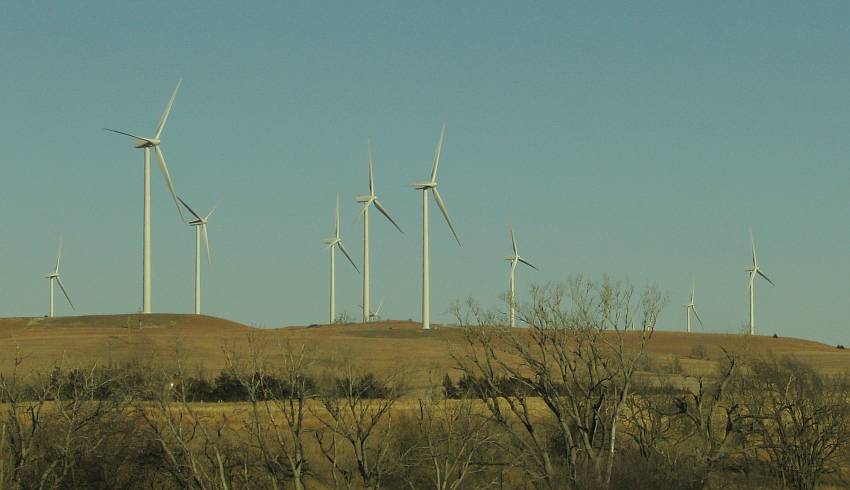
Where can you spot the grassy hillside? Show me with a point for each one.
(381, 347)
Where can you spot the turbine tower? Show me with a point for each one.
(200, 225)
(754, 270)
(515, 259)
(55, 276)
(431, 185)
(691, 307)
(146, 144)
(367, 201)
(332, 243)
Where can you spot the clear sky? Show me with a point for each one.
(635, 139)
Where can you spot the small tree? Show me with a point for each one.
(685, 434)
(801, 419)
(450, 445)
(278, 398)
(351, 417)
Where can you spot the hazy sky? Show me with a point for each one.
(635, 139)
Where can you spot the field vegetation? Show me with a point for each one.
(585, 397)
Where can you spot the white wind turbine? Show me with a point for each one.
(425, 187)
(332, 243)
(55, 276)
(200, 225)
(367, 201)
(375, 315)
(691, 307)
(515, 259)
(146, 144)
(754, 270)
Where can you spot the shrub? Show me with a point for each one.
(699, 351)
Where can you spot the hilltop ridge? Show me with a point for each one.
(382, 347)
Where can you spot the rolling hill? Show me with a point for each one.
(389, 346)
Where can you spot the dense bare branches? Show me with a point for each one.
(356, 412)
(578, 357)
(801, 420)
(698, 426)
(450, 444)
(278, 392)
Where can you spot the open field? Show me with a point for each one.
(382, 347)
(226, 439)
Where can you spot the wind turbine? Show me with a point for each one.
(515, 259)
(367, 201)
(200, 224)
(375, 315)
(691, 306)
(146, 144)
(332, 243)
(754, 270)
(425, 187)
(55, 275)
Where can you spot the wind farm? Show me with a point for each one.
(558, 304)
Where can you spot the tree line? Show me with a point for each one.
(570, 402)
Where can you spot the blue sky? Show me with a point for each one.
(635, 139)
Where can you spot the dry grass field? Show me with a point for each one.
(382, 347)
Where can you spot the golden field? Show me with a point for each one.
(382, 347)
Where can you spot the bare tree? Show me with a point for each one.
(191, 441)
(55, 423)
(24, 420)
(278, 398)
(578, 362)
(686, 433)
(801, 419)
(357, 412)
(451, 441)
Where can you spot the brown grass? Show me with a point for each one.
(383, 347)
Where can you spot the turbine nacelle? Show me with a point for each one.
(365, 199)
(424, 185)
(147, 143)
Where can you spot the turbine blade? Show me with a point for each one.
(187, 207)
(345, 252)
(513, 242)
(140, 138)
(215, 206)
(361, 213)
(167, 111)
(371, 177)
(62, 287)
(58, 255)
(337, 216)
(694, 309)
(764, 276)
(693, 290)
(207, 243)
(527, 263)
(386, 214)
(437, 154)
(380, 305)
(163, 167)
(442, 206)
(753, 243)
